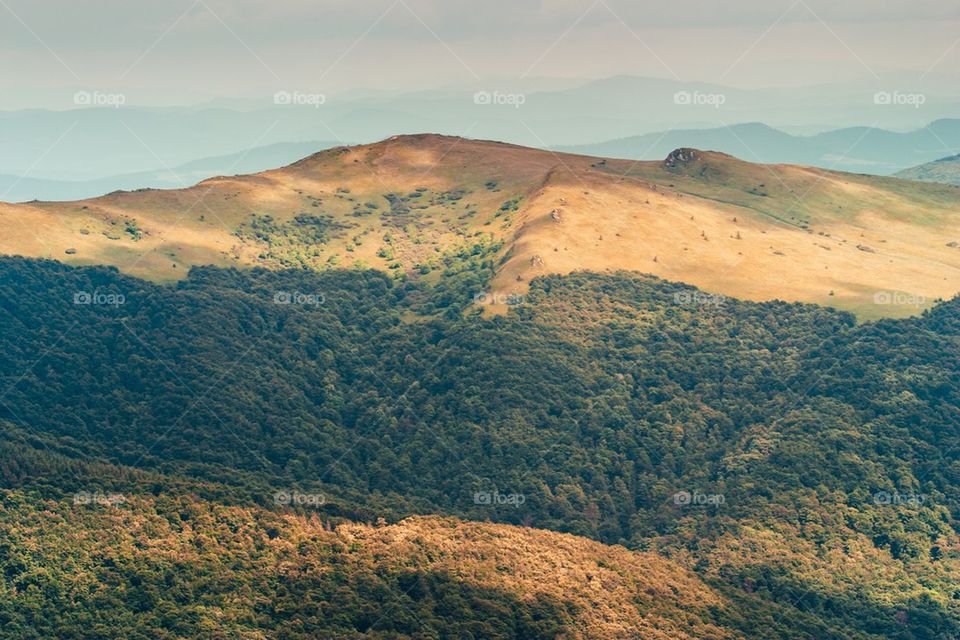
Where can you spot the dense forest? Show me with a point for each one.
(801, 464)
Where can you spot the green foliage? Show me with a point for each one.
(513, 204)
(227, 573)
(465, 274)
(297, 243)
(598, 401)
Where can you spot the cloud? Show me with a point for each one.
(231, 45)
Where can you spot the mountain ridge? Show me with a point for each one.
(404, 204)
(855, 148)
(944, 170)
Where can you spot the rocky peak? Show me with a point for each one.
(682, 156)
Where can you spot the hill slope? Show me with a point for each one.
(945, 170)
(283, 575)
(753, 231)
(802, 465)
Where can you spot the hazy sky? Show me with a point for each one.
(184, 50)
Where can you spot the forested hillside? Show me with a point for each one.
(803, 467)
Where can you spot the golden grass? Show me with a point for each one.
(751, 231)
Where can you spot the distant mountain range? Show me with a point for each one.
(94, 143)
(944, 170)
(857, 149)
(17, 189)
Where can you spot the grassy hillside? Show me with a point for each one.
(799, 468)
(875, 246)
(944, 170)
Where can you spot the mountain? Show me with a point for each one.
(944, 170)
(440, 387)
(17, 189)
(67, 143)
(240, 454)
(862, 149)
(752, 141)
(876, 246)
